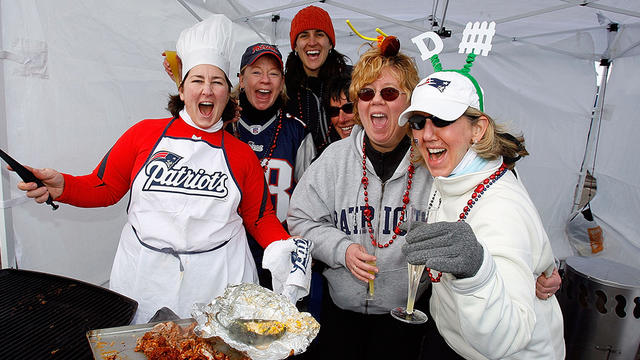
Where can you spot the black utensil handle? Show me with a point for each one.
(26, 175)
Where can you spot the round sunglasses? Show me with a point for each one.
(387, 94)
(417, 121)
(334, 111)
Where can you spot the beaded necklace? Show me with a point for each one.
(367, 210)
(326, 139)
(437, 278)
(265, 167)
(475, 197)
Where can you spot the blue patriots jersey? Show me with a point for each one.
(283, 167)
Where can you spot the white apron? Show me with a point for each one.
(184, 240)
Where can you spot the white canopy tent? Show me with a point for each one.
(76, 74)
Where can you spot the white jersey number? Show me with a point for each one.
(279, 183)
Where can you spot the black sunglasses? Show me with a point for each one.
(388, 94)
(334, 111)
(417, 121)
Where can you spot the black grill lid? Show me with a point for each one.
(45, 316)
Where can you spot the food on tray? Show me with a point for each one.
(256, 332)
(168, 340)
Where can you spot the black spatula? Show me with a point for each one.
(25, 174)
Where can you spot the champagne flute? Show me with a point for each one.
(370, 286)
(408, 314)
(171, 56)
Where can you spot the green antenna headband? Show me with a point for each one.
(435, 61)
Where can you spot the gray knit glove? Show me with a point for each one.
(449, 247)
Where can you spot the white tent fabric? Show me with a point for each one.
(76, 74)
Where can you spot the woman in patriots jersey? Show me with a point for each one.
(280, 140)
(193, 189)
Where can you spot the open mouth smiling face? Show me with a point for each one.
(444, 147)
(313, 48)
(205, 93)
(262, 82)
(379, 117)
(343, 122)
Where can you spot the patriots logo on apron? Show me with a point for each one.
(167, 157)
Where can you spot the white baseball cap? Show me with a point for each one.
(444, 94)
(207, 42)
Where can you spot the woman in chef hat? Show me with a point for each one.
(194, 189)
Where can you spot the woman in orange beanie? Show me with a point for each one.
(312, 62)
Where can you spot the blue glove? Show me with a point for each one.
(449, 247)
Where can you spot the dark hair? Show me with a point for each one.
(336, 87)
(295, 76)
(175, 104)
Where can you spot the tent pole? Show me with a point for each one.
(377, 16)
(7, 243)
(246, 20)
(612, 9)
(274, 30)
(190, 10)
(274, 9)
(588, 161)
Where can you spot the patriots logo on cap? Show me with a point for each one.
(441, 85)
(166, 157)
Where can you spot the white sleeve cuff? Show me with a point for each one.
(482, 277)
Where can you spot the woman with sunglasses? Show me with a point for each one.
(488, 244)
(353, 197)
(339, 108)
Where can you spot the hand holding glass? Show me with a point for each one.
(370, 287)
(172, 59)
(409, 314)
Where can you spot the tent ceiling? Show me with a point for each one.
(542, 22)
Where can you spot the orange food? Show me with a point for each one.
(168, 341)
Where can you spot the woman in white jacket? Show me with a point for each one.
(488, 243)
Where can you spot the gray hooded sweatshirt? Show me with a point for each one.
(326, 208)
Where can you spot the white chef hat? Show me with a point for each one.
(207, 42)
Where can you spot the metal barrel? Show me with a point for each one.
(600, 301)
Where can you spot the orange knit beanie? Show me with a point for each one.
(311, 17)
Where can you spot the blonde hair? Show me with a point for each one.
(495, 142)
(370, 66)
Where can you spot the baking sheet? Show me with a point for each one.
(118, 343)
